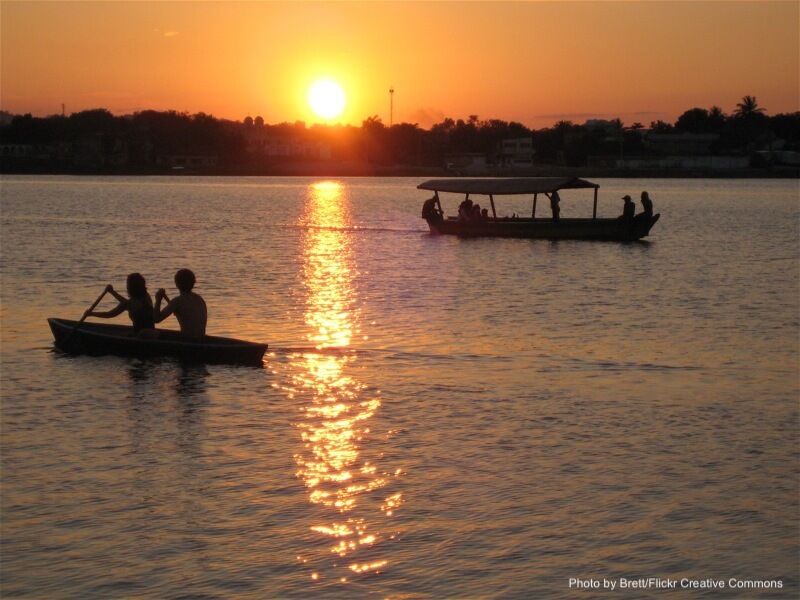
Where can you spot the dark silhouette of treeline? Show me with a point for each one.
(149, 141)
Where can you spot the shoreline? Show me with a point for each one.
(362, 170)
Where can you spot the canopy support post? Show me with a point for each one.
(594, 211)
(533, 212)
(438, 202)
(494, 212)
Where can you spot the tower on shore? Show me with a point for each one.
(391, 106)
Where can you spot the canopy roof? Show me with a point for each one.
(506, 186)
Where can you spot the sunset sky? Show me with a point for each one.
(536, 62)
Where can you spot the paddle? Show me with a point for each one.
(83, 318)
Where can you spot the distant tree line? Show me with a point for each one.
(149, 140)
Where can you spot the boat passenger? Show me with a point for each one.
(554, 206)
(189, 308)
(476, 212)
(429, 210)
(647, 205)
(139, 305)
(484, 214)
(628, 209)
(465, 210)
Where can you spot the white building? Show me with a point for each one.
(517, 152)
(466, 163)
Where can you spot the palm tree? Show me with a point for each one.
(715, 112)
(751, 120)
(716, 118)
(748, 108)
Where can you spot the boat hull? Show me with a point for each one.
(99, 339)
(547, 229)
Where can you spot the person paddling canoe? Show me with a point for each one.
(139, 305)
(189, 308)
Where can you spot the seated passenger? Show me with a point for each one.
(628, 210)
(476, 212)
(139, 305)
(647, 205)
(465, 210)
(485, 214)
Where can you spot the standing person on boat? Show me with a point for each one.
(139, 305)
(647, 205)
(555, 199)
(628, 209)
(430, 212)
(189, 308)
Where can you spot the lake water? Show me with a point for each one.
(436, 417)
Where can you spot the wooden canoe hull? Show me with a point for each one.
(99, 338)
(547, 229)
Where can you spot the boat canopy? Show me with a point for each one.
(506, 186)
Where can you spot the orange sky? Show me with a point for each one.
(535, 62)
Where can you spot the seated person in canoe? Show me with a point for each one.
(139, 305)
(188, 307)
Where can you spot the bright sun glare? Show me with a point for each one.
(326, 98)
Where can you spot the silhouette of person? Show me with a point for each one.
(139, 305)
(484, 214)
(628, 209)
(429, 210)
(647, 205)
(555, 199)
(475, 215)
(465, 210)
(189, 308)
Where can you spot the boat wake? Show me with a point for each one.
(327, 351)
(354, 229)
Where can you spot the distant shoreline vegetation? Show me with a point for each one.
(701, 142)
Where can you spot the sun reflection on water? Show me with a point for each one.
(340, 481)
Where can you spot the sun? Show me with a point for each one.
(326, 98)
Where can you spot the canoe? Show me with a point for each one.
(100, 338)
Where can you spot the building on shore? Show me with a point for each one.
(667, 163)
(466, 163)
(187, 161)
(680, 144)
(516, 153)
(262, 142)
(18, 151)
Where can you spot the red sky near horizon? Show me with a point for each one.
(534, 62)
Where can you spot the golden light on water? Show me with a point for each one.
(336, 415)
